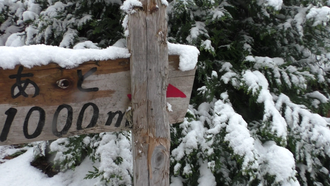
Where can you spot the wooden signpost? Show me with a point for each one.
(145, 94)
(49, 102)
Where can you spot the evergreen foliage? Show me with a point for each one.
(258, 114)
(262, 91)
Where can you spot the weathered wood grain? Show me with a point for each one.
(51, 94)
(149, 80)
(110, 102)
(183, 81)
(111, 77)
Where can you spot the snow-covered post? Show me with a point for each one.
(147, 27)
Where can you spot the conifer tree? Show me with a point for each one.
(258, 114)
(262, 93)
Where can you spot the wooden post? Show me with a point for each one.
(149, 72)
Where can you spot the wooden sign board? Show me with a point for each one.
(50, 102)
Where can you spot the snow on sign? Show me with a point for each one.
(48, 102)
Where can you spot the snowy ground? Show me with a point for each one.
(19, 172)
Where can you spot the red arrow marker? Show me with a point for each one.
(172, 92)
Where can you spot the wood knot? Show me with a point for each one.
(158, 159)
(153, 9)
(63, 83)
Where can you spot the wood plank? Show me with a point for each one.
(149, 80)
(50, 94)
(60, 112)
(184, 81)
(111, 77)
(158, 122)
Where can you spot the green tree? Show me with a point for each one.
(262, 93)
